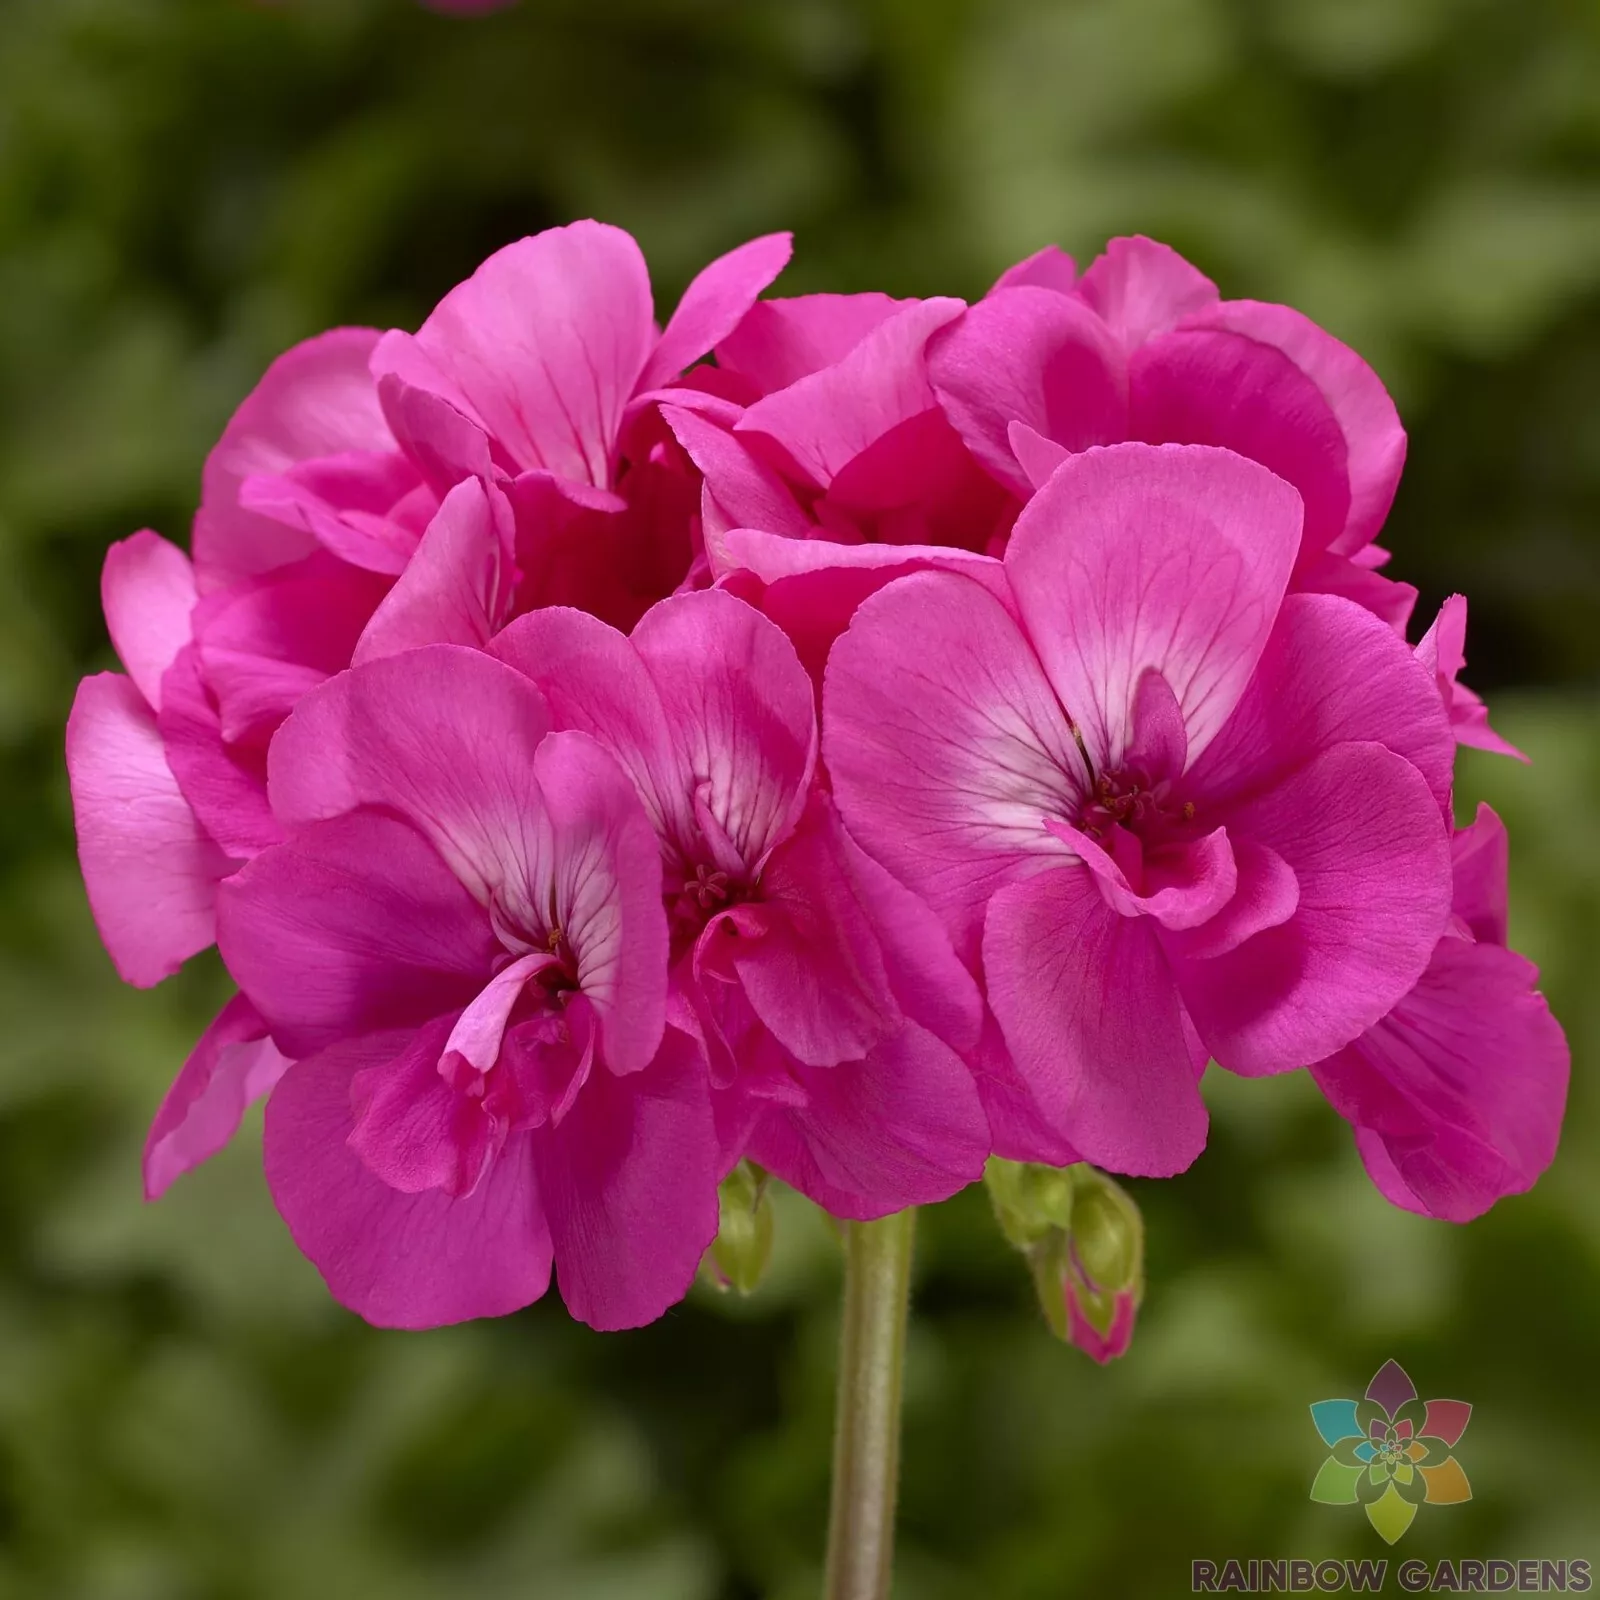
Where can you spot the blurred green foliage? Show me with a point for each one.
(186, 186)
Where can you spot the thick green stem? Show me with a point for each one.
(866, 1441)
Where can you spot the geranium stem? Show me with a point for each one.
(866, 1441)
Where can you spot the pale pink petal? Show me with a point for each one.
(629, 1182)
(544, 346)
(457, 587)
(1134, 557)
(740, 712)
(479, 1031)
(1370, 851)
(1091, 1015)
(903, 1127)
(231, 1067)
(596, 863)
(354, 926)
(1331, 671)
(945, 744)
(149, 868)
(1049, 268)
(225, 784)
(715, 304)
(1205, 385)
(782, 341)
(1457, 1095)
(443, 735)
(1034, 356)
(399, 1260)
(1375, 442)
(820, 423)
(147, 591)
(317, 399)
(1142, 288)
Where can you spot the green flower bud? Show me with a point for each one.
(739, 1254)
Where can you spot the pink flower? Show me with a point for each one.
(462, 947)
(1457, 1095)
(1443, 652)
(833, 1014)
(540, 374)
(1143, 347)
(1166, 810)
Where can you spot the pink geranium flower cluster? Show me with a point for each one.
(859, 735)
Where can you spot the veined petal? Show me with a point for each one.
(1133, 557)
(945, 745)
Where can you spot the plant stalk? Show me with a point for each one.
(866, 1440)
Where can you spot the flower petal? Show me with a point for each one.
(1142, 288)
(1091, 1015)
(781, 341)
(399, 1260)
(543, 345)
(715, 304)
(629, 1181)
(1036, 357)
(1049, 268)
(231, 1067)
(945, 745)
(147, 591)
(149, 868)
(1368, 848)
(354, 926)
(1134, 557)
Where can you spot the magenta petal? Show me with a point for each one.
(1133, 557)
(1184, 887)
(1330, 672)
(317, 399)
(815, 976)
(945, 744)
(903, 1127)
(225, 784)
(147, 591)
(415, 1130)
(1203, 385)
(399, 1260)
(149, 868)
(782, 341)
(1457, 1095)
(822, 422)
(1019, 1127)
(1442, 651)
(400, 732)
(1479, 856)
(740, 711)
(1369, 850)
(457, 587)
(629, 1181)
(1142, 288)
(715, 304)
(1036, 455)
(746, 491)
(1331, 573)
(446, 445)
(354, 926)
(1267, 893)
(231, 1067)
(1375, 443)
(1049, 268)
(1033, 356)
(1092, 1018)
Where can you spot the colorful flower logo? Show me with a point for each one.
(1391, 1452)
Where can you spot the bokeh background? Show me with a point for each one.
(187, 186)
